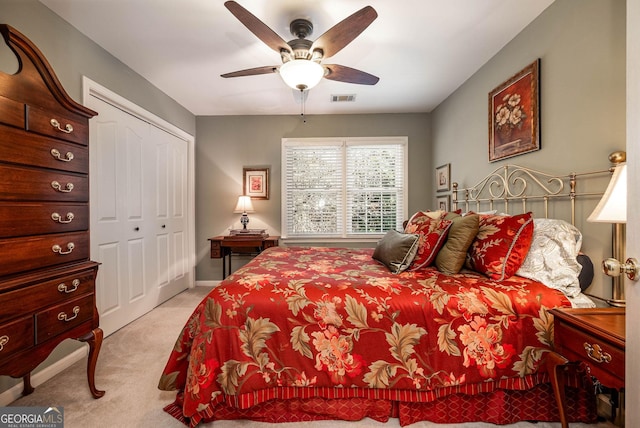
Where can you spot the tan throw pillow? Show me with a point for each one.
(396, 250)
(452, 255)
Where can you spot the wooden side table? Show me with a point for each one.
(595, 337)
(224, 246)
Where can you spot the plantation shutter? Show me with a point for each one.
(343, 188)
(313, 177)
(375, 188)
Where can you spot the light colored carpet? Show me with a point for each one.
(129, 367)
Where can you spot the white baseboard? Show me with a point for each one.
(39, 377)
(207, 283)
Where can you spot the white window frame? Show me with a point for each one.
(343, 142)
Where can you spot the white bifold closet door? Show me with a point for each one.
(138, 214)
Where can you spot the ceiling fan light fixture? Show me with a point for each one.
(301, 74)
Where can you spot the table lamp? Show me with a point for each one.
(244, 206)
(612, 208)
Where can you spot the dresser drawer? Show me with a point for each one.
(22, 254)
(605, 360)
(42, 151)
(16, 336)
(17, 183)
(51, 292)
(57, 125)
(63, 317)
(11, 112)
(32, 218)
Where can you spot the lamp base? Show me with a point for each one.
(244, 220)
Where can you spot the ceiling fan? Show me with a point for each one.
(301, 67)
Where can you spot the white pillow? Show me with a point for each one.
(552, 258)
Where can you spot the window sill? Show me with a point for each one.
(333, 241)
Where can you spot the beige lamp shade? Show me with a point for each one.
(244, 205)
(612, 208)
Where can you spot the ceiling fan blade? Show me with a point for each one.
(257, 27)
(341, 34)
(268, 69)
(341, 73)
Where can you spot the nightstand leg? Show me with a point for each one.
(556, 366)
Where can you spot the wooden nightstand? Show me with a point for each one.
(595, 337)
(223, 246)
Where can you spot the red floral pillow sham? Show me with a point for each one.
(501, 245)
(433, 234)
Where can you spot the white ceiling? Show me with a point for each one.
(422, 50)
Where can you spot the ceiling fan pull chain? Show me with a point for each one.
(302, 106)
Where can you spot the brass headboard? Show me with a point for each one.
(518, 185)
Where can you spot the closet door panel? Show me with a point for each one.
(121, 221)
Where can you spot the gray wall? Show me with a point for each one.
(226, 144)
(581, 44)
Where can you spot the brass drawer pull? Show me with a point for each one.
(596, 353)
(58, 249)
(3, 341)
(58, 218)
(68, 129)
(57, 155)
(63, 317)
(62, 287)
(57, 186)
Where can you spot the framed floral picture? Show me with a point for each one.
(255, 182)
(444, 202)
(443, 178)
(514, 114)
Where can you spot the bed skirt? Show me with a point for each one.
(501, 406)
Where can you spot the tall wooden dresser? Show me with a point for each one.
(47, 282)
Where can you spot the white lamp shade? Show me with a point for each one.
(301, 74)
(612, 208)
(244, 205)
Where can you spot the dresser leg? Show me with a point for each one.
(26, 382)
(556, 366)
(94, 339)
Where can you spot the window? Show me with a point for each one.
(343, 188)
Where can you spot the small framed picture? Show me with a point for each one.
(255, 182)
(443, 178)
(444, 202)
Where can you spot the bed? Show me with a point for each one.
(445, 321)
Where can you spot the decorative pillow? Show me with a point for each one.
(396, 250)
(451, 256)
(501, 245)
(552, 258)
(432, 232)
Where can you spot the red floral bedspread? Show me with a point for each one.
(333, 322)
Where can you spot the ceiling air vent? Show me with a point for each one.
(343, 98)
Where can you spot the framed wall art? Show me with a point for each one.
(443, 178)
(255, 182)
(514, 114)
(444, 202)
